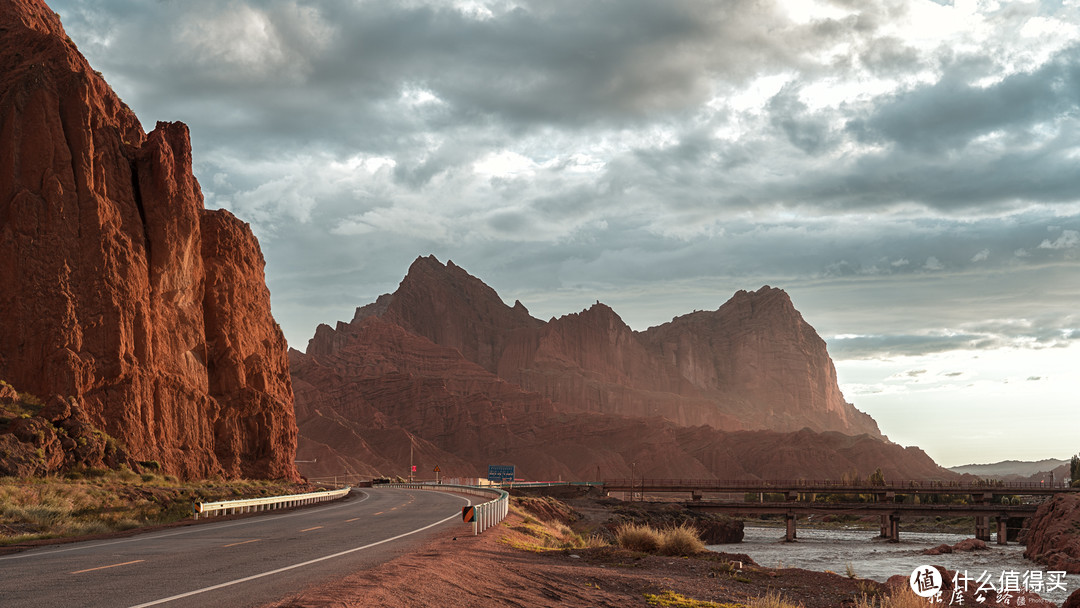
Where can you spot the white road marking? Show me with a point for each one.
(192, 530)
(286, 568)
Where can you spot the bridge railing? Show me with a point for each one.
(247, 505)
(487, 514)
(777, 485)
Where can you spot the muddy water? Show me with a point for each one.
(878, 560)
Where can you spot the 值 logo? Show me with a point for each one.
(926, 581)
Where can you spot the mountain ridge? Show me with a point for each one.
(377, 384)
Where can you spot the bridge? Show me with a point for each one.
(891, 501)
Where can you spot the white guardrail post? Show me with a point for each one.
(228, 507)
(487, 514)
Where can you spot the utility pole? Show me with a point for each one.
(633, 468)
(411, 467)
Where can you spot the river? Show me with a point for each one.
(834, 549)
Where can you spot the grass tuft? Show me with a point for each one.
(681, 540)
(638, 537)
(772, 599)
(676, 600)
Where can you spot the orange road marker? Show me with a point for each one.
(104, 567)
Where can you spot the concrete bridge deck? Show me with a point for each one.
(891, 501)
(890, 513)
(803, 486)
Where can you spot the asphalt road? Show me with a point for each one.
(238, 563)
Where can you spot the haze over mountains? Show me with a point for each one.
(444, 365)
(1017, 469)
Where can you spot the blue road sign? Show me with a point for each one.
(501, 472)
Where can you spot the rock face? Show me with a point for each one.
(752, 364)
(369, 389)
(756, 355)
(120, 289)
(1054, 536)
(38, 440)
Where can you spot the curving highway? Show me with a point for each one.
(231, 564)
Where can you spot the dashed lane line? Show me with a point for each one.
(294, 566)
(310, 529)
(192, 530)
(105, 567)
(254, 540)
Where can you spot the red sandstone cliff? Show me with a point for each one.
(578, 397)
(120, 289)
(1053, 538)
(756, 355)
(752, 364)
(367, 390)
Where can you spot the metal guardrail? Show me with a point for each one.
(229, 507)
(488, 514)
(956, 487)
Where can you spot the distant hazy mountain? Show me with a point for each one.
(1016, 468)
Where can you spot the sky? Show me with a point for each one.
(907, 170)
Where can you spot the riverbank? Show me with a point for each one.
(519, 563)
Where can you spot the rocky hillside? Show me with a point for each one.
(119, 289)
(1054, 537)
(752, 364)
(477, 382)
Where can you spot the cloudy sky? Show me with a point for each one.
(908, 170)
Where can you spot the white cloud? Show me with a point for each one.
(1069, 239)
(658, 154)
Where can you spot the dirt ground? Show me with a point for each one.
(458, 569)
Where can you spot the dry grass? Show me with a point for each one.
(904, 598)
(638, 537)
(680, 540)
(548, 536)
(98, 501)
(772, 599)
(675, 600)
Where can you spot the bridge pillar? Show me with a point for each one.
(894, 527)
(1003, 529)
(790, 537)
(884, 526)
(982, 528)
(695, 495)
(793, 495)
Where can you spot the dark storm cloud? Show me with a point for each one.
(950, 113)
(650, 146)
